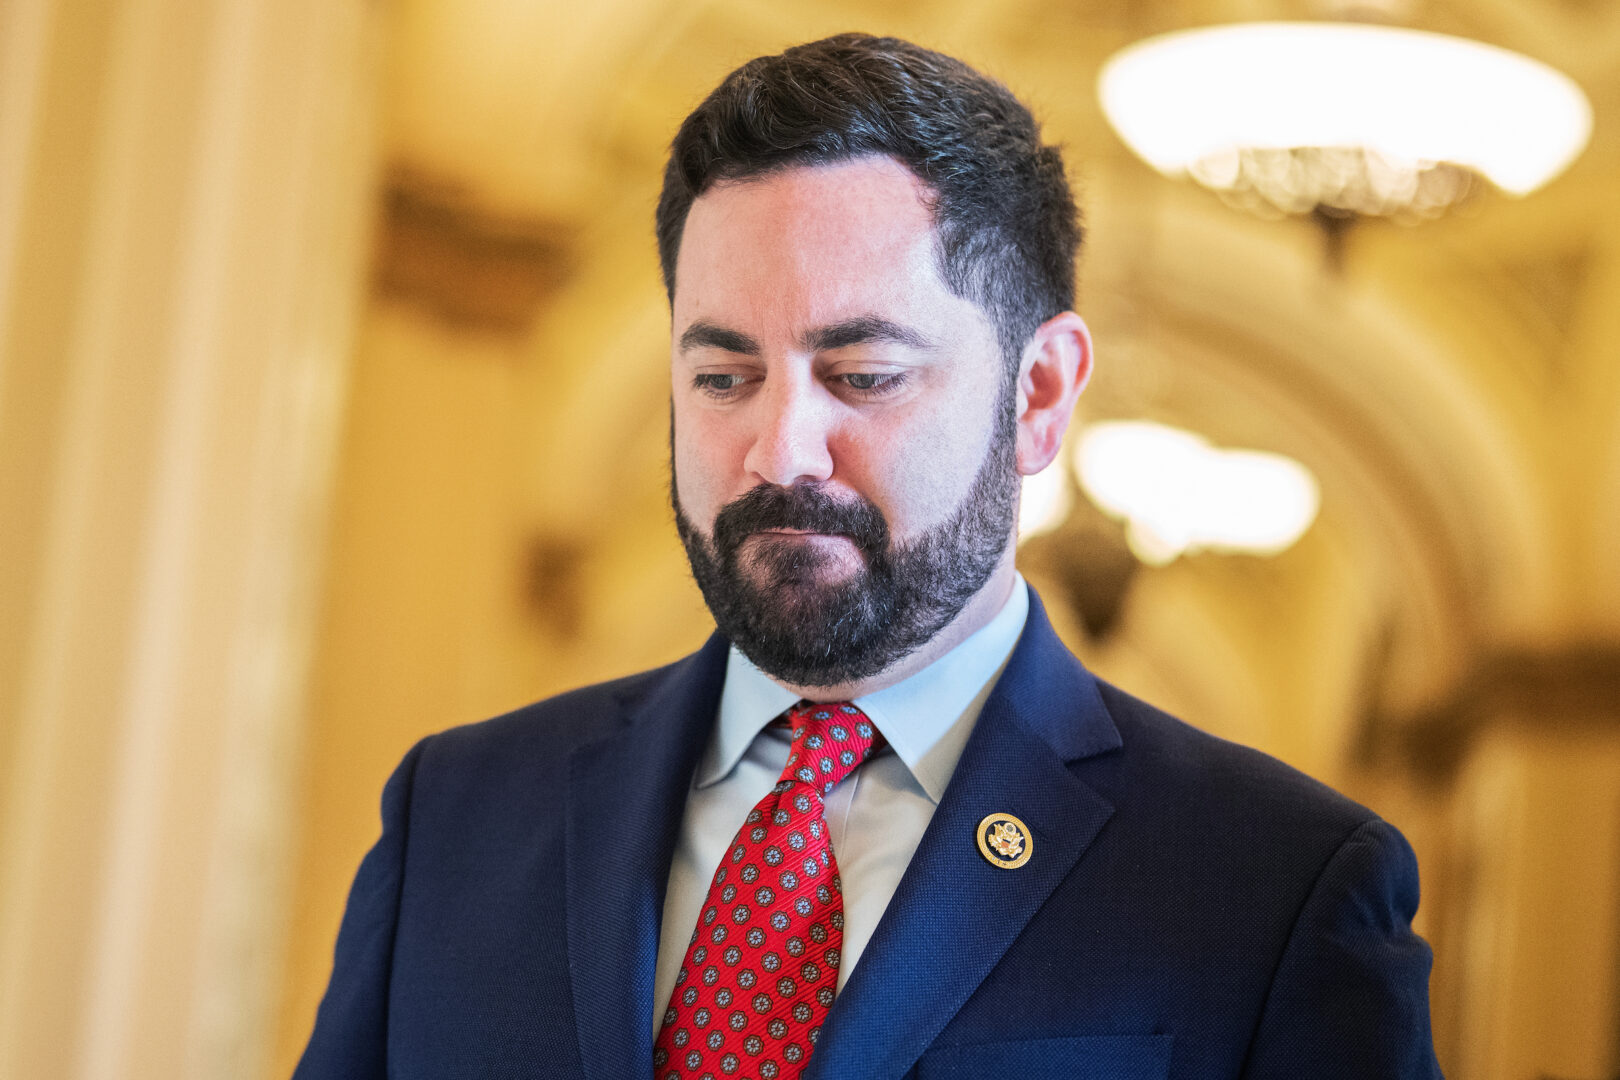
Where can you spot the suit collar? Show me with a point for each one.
(748, 703)
(1047, 690)
(926, 717)
(626, 796)
(1045, 711)
(954, 915)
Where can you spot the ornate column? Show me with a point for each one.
(1527, 939)
(185, 193)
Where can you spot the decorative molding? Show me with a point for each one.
(553, 588)
(468, 268)
(1573, 688)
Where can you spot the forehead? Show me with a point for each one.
(815, 241)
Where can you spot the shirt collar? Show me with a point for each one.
(926, 717)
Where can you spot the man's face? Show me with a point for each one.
(843, 443)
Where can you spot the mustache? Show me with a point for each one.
(805, 507)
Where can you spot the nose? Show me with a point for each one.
(791, 435)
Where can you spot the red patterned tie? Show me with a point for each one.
(762, 967)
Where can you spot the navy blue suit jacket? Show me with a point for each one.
(1191, 908)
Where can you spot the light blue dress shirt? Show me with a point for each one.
(875, 818)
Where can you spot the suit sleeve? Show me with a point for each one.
(1350, 997)
(350, 1040)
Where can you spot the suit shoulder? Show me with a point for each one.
(1168, 758)
(563, 720)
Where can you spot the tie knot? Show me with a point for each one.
(828, 742)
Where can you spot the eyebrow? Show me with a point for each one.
(860, 330)
(864, 329)
(707, 335)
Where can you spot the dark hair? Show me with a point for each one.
(1005, 219)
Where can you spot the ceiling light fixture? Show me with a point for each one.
(1343, 120)
(1178, 494)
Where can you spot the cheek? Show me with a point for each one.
(708, 461)
(918, 479)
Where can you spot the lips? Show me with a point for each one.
(800, 532)
(801, 510)
(802, 537)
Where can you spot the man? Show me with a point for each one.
(883, 824)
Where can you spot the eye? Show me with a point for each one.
(872, 383)
(718, 384)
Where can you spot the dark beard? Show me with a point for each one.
(804, 632)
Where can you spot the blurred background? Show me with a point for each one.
(333, 404)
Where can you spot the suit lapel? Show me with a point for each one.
(954, 915)
(626, 796)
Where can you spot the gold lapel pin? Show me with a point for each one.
(1005, 841)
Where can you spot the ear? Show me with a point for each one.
(1054, 369)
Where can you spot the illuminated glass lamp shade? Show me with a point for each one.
(1346, 119)
(1177, 494)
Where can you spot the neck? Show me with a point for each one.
(978, 611)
